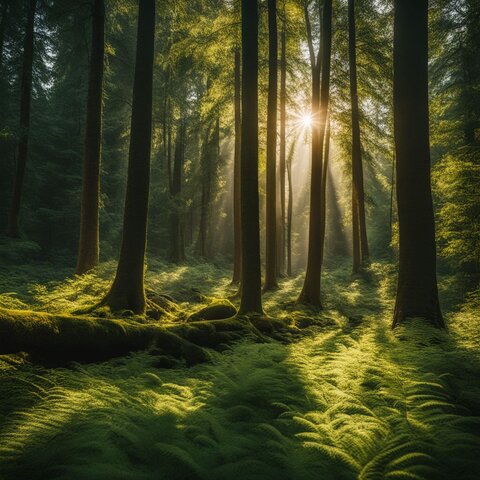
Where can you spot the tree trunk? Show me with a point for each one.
(282, 157)
(25, 100)
(310, 293)
(251, 295)
(177, 250)
(323, 203)
(417, 294)
(3, 27)
(359, 236)
(88, 250)
(127, 291)
(271, 191)
(237, 254)
(290, 209)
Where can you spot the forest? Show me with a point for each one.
(240, 239)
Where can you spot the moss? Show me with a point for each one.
(215, 311)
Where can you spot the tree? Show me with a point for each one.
(359, 233)
(25, 101)
(251, 295)
(3, 26)
(271, 191)
(88, 249)
(282, 153)
(417, 293)
(127, 291)
(310, 293)
(237, 254)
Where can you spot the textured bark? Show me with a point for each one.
(128, 291)
(250, 295)
(310, 293)
(281, 242)
(271, 190)
(417, 294)
(13, 229)
(359, 234)
(237, 235)
(289, 210)
(88, 249)
(323, 203)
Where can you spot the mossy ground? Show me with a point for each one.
(349, 398)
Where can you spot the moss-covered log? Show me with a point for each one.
(65, 337)
(214, 311)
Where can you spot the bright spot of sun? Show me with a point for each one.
(306, 120)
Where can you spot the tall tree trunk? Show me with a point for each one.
(251, 284)
(359, 236)
(290, 209)
(88, 249)
(127, 291)
(282, 157)
(271, 190)
(3, 27)
(237, 254)
(417, 294)
(310, 293)
(323, 203)
(177, 250)
(25, 100)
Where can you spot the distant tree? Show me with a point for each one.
(251, 295)
(320, 64)
(271, 191)
(237, 234)
(359, 233)
(25, 101)
(281, 242)
(88, 249)
(127, 291)
(177, 246)
(417, 294)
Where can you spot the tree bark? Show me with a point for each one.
(237, 254)
(88, 250)
(359, 236)
(290, 209)
(417, 294)
(310, 293)
(128, 291)
(251, 295)
(282, 156)
(271, 184)
(3, 27)
(13, 229)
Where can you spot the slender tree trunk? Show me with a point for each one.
(417, 294)
(323, 203)
(3, 27)
(359, 236)
(169, 144)
(251, 294)
(237, 255)
(282, 158)
(310, 293)
(13, 229)
(271, 191)
(177, 251)
(290, 209)
(127, 291)
(88, 250)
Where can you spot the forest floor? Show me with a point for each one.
(348, 399)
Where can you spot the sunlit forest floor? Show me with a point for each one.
(347, 399)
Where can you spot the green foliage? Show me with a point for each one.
(351, 399)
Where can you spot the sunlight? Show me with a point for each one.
(306, 120)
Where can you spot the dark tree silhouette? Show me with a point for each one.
(251, 295)
(127, 291)
(88, 249)
(271, 191)
(417, 294)
(13, 229)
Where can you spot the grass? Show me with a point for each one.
(350, 399)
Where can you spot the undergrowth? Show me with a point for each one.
(351, 399)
